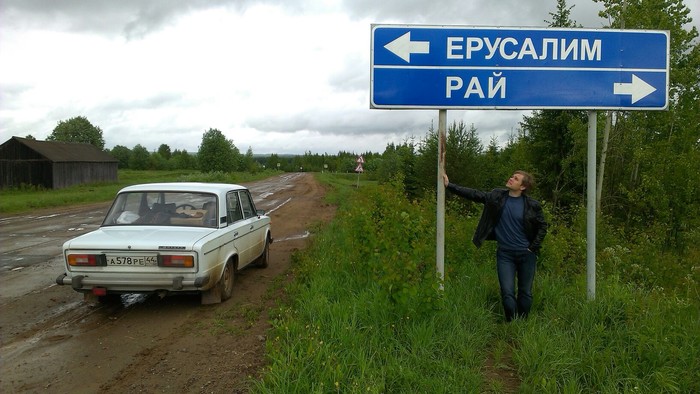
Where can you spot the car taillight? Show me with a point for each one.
(176, 261)
(86, 259)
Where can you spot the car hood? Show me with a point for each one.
(139, 238)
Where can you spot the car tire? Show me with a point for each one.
(264, 259)
(226, 281)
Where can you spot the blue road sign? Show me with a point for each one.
(463, 67)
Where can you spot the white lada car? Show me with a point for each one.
(169, 238)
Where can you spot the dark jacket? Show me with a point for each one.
(534, 223)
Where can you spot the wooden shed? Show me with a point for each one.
(53, 165)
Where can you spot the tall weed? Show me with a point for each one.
(627, 340)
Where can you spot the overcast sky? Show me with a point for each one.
(278, 76)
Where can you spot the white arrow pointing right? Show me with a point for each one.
(638, 89)
(403, 47)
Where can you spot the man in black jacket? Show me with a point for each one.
(517, 224)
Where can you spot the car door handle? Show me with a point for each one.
(235, 234)
(251, 226)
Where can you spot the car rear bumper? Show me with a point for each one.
(171, 283)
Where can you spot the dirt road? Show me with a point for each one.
(52, 341)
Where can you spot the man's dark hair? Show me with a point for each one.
(528, 181)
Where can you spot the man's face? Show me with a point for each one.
(515, 183)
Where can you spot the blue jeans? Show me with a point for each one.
(514, 264)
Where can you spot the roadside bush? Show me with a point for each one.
(392, 239)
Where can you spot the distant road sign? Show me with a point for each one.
(464, 67)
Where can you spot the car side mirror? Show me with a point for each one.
(260, 212)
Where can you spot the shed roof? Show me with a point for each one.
(66, 151)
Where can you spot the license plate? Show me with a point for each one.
(131, 261)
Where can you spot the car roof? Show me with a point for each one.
(184, 187)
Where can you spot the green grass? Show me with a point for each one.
(342, 184)
(359, 320)
(25, 199)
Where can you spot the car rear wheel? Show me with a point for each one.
(226, 281)
(264, 259)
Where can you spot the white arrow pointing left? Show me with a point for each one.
(403, 47)
(638, 89)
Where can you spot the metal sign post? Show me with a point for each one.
(591, 205)
(440, 251)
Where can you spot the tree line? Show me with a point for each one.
(215, 153)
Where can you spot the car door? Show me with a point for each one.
(234, 219)
(256, 227)
(241, 227)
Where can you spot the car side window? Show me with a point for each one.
(233, 208)
(248, 205)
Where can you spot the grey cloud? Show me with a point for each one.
(473, 12)
(10, 92)
(160, 100)
(442, 12)
(136, 18)
(353, 76)
(343, 121)
(131, 18)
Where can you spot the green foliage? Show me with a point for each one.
(139, 158)
(249, 164)
(391, 243)
(564, 248)
(163, 159)
(77, 129)
(123, 154)
(353, 325)
(628, 340)
(389, 251)
(182, 160)
(164, 151)
(562, 17)
(494, 169)
(464, 161)
(345, 329)
(343, 162)
(399, 162)
(555, 145)
(216, 153)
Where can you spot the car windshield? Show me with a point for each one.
(161, 208)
